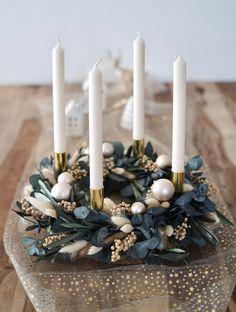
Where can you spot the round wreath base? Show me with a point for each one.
(143, 229)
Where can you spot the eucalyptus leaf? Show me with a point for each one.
(158, 175)
(41, 197)
(209, 205)
(208, 234)
(47, 192)
(184, 199)
(148, 149)
(194, 163)
(199, 241)
(146, 233)
(223, 218)
(116, 177)
(27, 241)
(177, 250)
(32, 227)
(46, 162)
(139, 185)
(74, 226)
(81, 212)
(118, 149)
(99, 236)
(104, 256)
(137, 220)
(32, 250)
(34, 180)
(200, 193)
(136, 191)
(127, 191)
(129, 151)
(141, 249)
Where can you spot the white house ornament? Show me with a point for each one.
(61, 191)
(74, 118)
(163, 189)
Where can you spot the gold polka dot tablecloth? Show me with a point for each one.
(205, 284)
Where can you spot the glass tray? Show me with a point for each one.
(205, 284)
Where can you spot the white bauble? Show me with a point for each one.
(138, 207)
(163, 161)
(65, 177)
(61, 191)
(107, 149)
(163, 190)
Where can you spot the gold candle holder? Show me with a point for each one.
(60, 162)
(138, 148)
(96, 199)
(177, 179)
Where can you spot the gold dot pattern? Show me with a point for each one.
(205, 284)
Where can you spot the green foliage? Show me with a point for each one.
(132, 183)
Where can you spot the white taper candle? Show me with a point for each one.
(138, 88)
(179, 115)
(58, 99)
(95, 129)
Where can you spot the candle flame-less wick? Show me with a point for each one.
(58, 41)
(179, 59)
(99, 61)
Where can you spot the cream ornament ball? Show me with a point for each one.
(138, 207)
(163, 190)
(107, 149)
(163, 161)
(61, 191)
(152, 202)
(65, 177)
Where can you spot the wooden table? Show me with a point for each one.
(213, 136)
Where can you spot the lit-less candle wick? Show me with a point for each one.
(58, 42)
(99, 61)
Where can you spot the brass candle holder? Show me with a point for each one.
(60, 162)
(177, 179)
(96, 199)
(138, 148)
